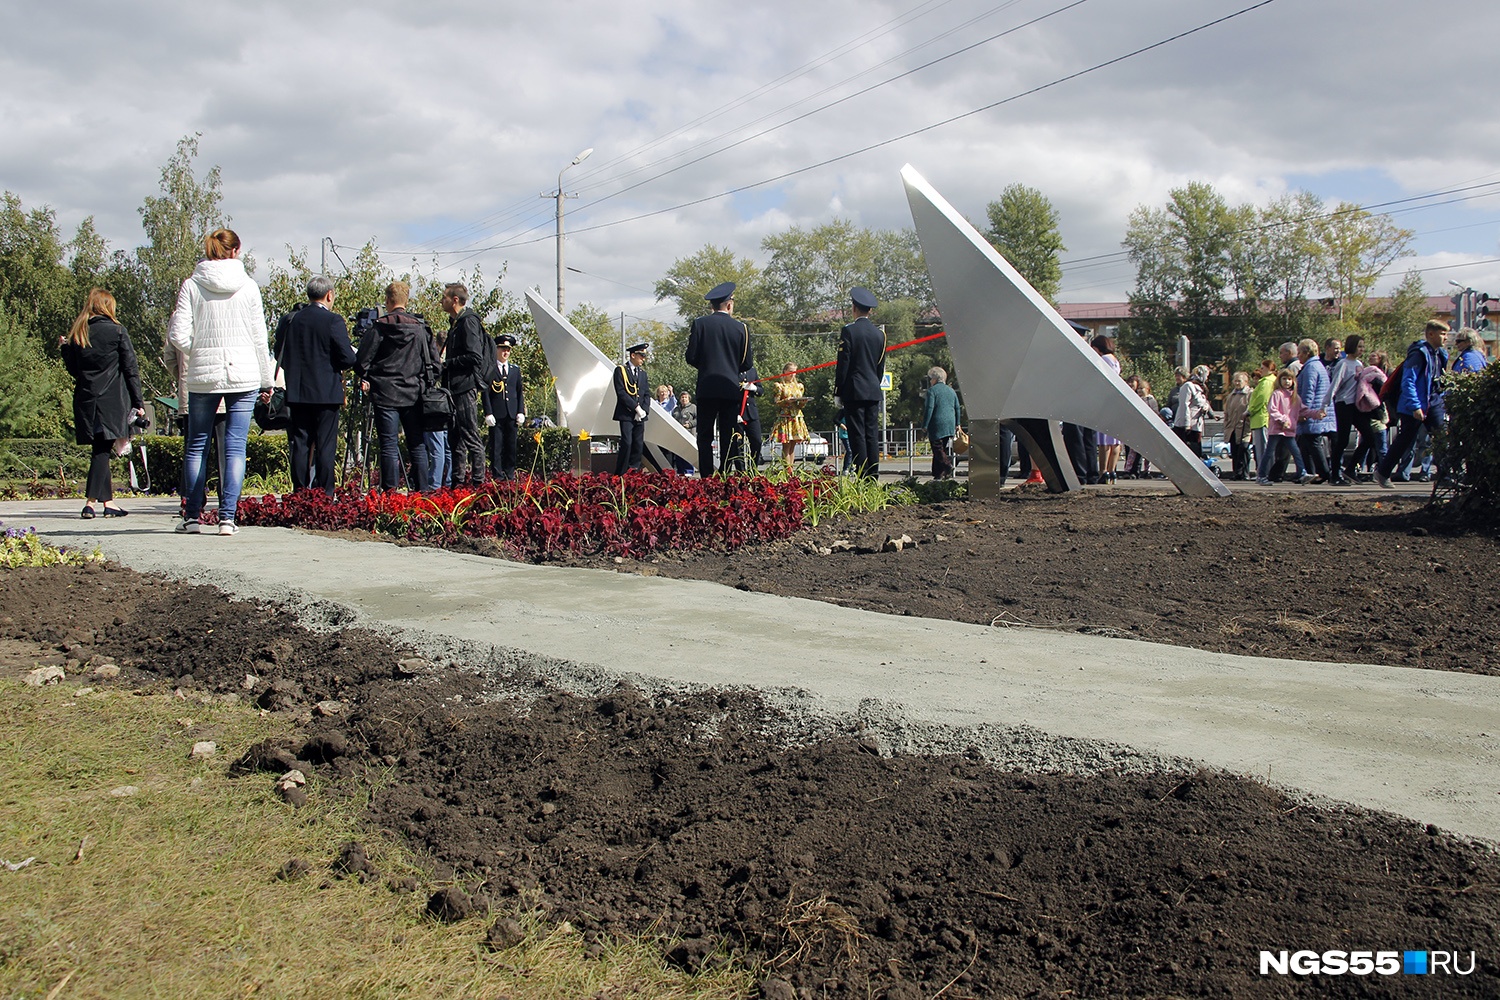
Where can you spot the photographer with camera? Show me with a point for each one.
(107, 401)
(391, 359)
(313, 349)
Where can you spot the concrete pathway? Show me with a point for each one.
(1419, 743)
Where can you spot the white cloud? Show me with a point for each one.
(438, 126)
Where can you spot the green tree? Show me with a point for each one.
(1191, 277)
(1285, 250)
(35, 281)
(1403, 319)
(1024, 228)
(1357, 247)
(35, 390)
(176, 223)
(690, 278)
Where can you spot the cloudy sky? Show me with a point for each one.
(435, 128)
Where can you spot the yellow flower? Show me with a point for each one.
(537, 437)
(583, 435)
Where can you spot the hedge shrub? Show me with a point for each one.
(1469, 453)
(40, 458)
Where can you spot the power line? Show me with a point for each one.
(785, 79)
(831, 87)
(906, 135)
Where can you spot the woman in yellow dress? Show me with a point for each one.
(790, 427)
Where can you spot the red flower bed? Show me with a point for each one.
(631, 515)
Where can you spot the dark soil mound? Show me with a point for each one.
(847, 873)
(1312, 577)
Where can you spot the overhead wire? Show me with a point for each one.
(785, 79)
(897, 138)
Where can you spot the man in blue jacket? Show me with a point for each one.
(1417, 403)
(313, 349)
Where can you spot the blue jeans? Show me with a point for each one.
(439, 462)
(201, 407)
(390, 422)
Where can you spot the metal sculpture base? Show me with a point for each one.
(585, 391)
(1020, 362)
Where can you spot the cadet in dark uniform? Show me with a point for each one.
(755, 438)
(504, 408)
(719, 347)
(632, 407)
(856, 382)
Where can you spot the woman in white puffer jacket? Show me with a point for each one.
(220, 325)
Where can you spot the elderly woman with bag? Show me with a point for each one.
(941, 416)
(219, 324)
(106, 393)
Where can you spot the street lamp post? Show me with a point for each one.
(560, 198)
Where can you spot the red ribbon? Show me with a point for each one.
(825, 364)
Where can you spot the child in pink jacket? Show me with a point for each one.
(1282, 411)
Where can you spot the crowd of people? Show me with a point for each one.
(1320, 414)
(1292, 419)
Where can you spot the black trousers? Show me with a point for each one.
(1007, 449)
(632, 445)
(863, 422)
(720, 415)
(313, 442)
(100, 484)
(1314, 458)
(1364, 424)
(942, 458)
(465, 444)
(503, 448)
(1406, 436)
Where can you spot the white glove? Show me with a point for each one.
(489, 420)
(520, 420)
(640, 414)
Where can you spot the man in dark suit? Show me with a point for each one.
(313, 349)
(632, 408)
(468, 359)
(504, 408)
(719, 347)
(856, 382)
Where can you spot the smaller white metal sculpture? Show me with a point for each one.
(1021, 363)
(585, 392)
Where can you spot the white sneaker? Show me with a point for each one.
(187, 527)
(227, 528)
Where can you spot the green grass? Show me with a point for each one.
(175, 893)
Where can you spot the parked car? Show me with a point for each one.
(814, 449)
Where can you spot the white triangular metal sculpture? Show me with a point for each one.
(1018, 358)
(585, 391)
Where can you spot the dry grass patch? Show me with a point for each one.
(174, 893)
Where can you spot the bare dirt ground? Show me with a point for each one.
(849, 874)
(1316, 577)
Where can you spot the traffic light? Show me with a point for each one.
(1460, 302)
(1482, 312)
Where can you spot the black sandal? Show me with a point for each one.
(115, 512)
(88, 512)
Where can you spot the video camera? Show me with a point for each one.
(361, 321)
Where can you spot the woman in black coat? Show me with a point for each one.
(106, 391)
